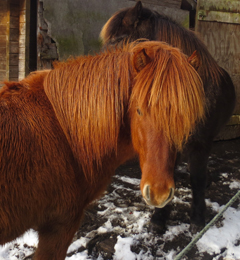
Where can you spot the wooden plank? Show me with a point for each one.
(232, 6)
(22, 28)
(166, 3)
(236, 81)
(13, 72)
(3, 75)
(3, 54)
(13, 59)
(3, 7)
(3, 29)
(22, 16)
(217, 16)
(21, 66)
(21, 75)
(3, 41)
(14, 47)
(14, 22)
(3, 65)
(4, 18)
(14, 10)
(22, 41)
(222, 40)
(3, 51)
(14, 34)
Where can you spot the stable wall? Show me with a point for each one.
(218, 23)
(75, 25)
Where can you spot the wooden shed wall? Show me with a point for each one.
(218, 23)
(4, 32)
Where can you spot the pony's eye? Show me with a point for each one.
(139, 112)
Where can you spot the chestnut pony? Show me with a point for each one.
(64, 132)
(139, 22)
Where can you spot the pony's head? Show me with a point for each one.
(167, 100)
(131, 23)
(145, 95)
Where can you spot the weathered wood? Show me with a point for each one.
(14, 47)
(221, 11)
(14, 22)
(13, 72)
(14, 34)
(14, 10)
(13, 59)
(22, 41)
(3, 29)
(222, 40)
(3, 8)
(4, 18)
(21, 65)
(219, 16)
(22, 28)
(3, 41)
(3, 53)
(231, 6)
(22, 17)
(3, 75)
(3, 65)
(218, 23)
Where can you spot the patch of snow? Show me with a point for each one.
(133, 181)
(224, 237)
(123, 249)
(235, 184)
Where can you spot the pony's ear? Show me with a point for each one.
(131, 17)
(194, 60)
(140, 60)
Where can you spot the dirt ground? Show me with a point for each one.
(224, 166)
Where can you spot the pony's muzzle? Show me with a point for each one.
(157, 200)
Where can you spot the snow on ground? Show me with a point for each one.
(121, 217)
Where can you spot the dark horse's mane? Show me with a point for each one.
(92, 104)
(166, 29)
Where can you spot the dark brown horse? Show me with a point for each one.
(64, 132)
(138, 22)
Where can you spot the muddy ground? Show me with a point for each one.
(124, 197)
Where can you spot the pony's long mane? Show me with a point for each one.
(91, 95)
(186, 40)
(171, 91)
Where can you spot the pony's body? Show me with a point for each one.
(64, 132)
(138, 22)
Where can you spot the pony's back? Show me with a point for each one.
(30, 136)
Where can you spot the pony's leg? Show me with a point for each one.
(159, 218)
(54, 240)
(161, 215)
(198, 160)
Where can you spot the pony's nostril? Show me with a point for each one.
(146, 192)
(171, 194)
